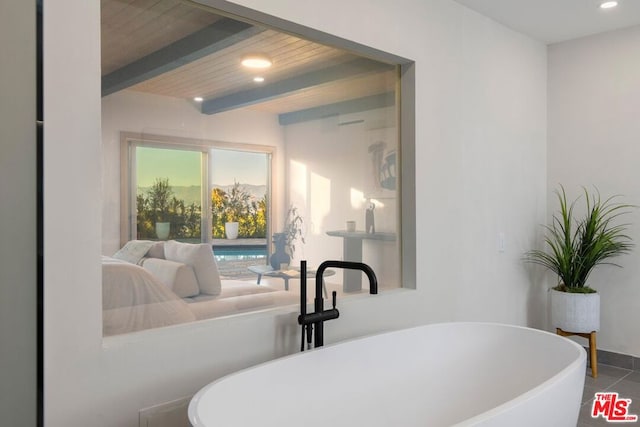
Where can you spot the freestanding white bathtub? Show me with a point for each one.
(462, 374)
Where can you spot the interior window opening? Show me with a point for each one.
(242, 150)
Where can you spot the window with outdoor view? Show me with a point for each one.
(238, 182)
(190, 191)
(168, 186)
(169, 197)
(219, 178)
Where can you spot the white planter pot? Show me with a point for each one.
(162, 230)
(575, 312)
(231, 230)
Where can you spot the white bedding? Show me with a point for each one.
(133, 299)
(239, 297)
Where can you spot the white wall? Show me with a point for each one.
(329, 170)
(481, 110)
(159, 115)
(594, 100)
(18, 281)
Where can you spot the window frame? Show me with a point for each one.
(129, 141)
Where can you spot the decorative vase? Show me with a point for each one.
(162, 230)
(573, 312)
(280, 256)
(231, 230)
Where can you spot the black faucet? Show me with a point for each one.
(315, 321)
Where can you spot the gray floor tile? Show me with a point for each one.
(634, 409)
(607, 375)
(585, 417)
(623, 381)
(627, 388)
(634, 376)
(589, 393)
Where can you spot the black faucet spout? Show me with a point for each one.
(313, 323)
(350, 265)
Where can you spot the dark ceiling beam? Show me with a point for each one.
(361, 66)
(346, 107)
(217, 36)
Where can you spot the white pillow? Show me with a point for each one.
(178, 277)
(133, 251)
(156, 250)
(200, 257)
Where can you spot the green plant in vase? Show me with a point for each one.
(293, 230)
(235, 209)
(577, 245)
(285, 241)
(160, 195)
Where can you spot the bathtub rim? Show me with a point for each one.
(521, 398)
(537, 390)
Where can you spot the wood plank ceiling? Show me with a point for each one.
(133, 29)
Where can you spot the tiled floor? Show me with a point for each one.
(612, 379)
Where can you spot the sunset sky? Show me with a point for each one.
(183, 167)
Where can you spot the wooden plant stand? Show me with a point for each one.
(593, 357)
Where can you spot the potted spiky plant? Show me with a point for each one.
(236, 208)
(285, 241)
(576, 245)
(159, 197)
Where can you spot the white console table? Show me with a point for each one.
(352, 251)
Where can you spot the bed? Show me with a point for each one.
(155, 284)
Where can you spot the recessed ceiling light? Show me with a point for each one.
(608, 4)
(198, 99)
(258, 79)
(256, 60)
